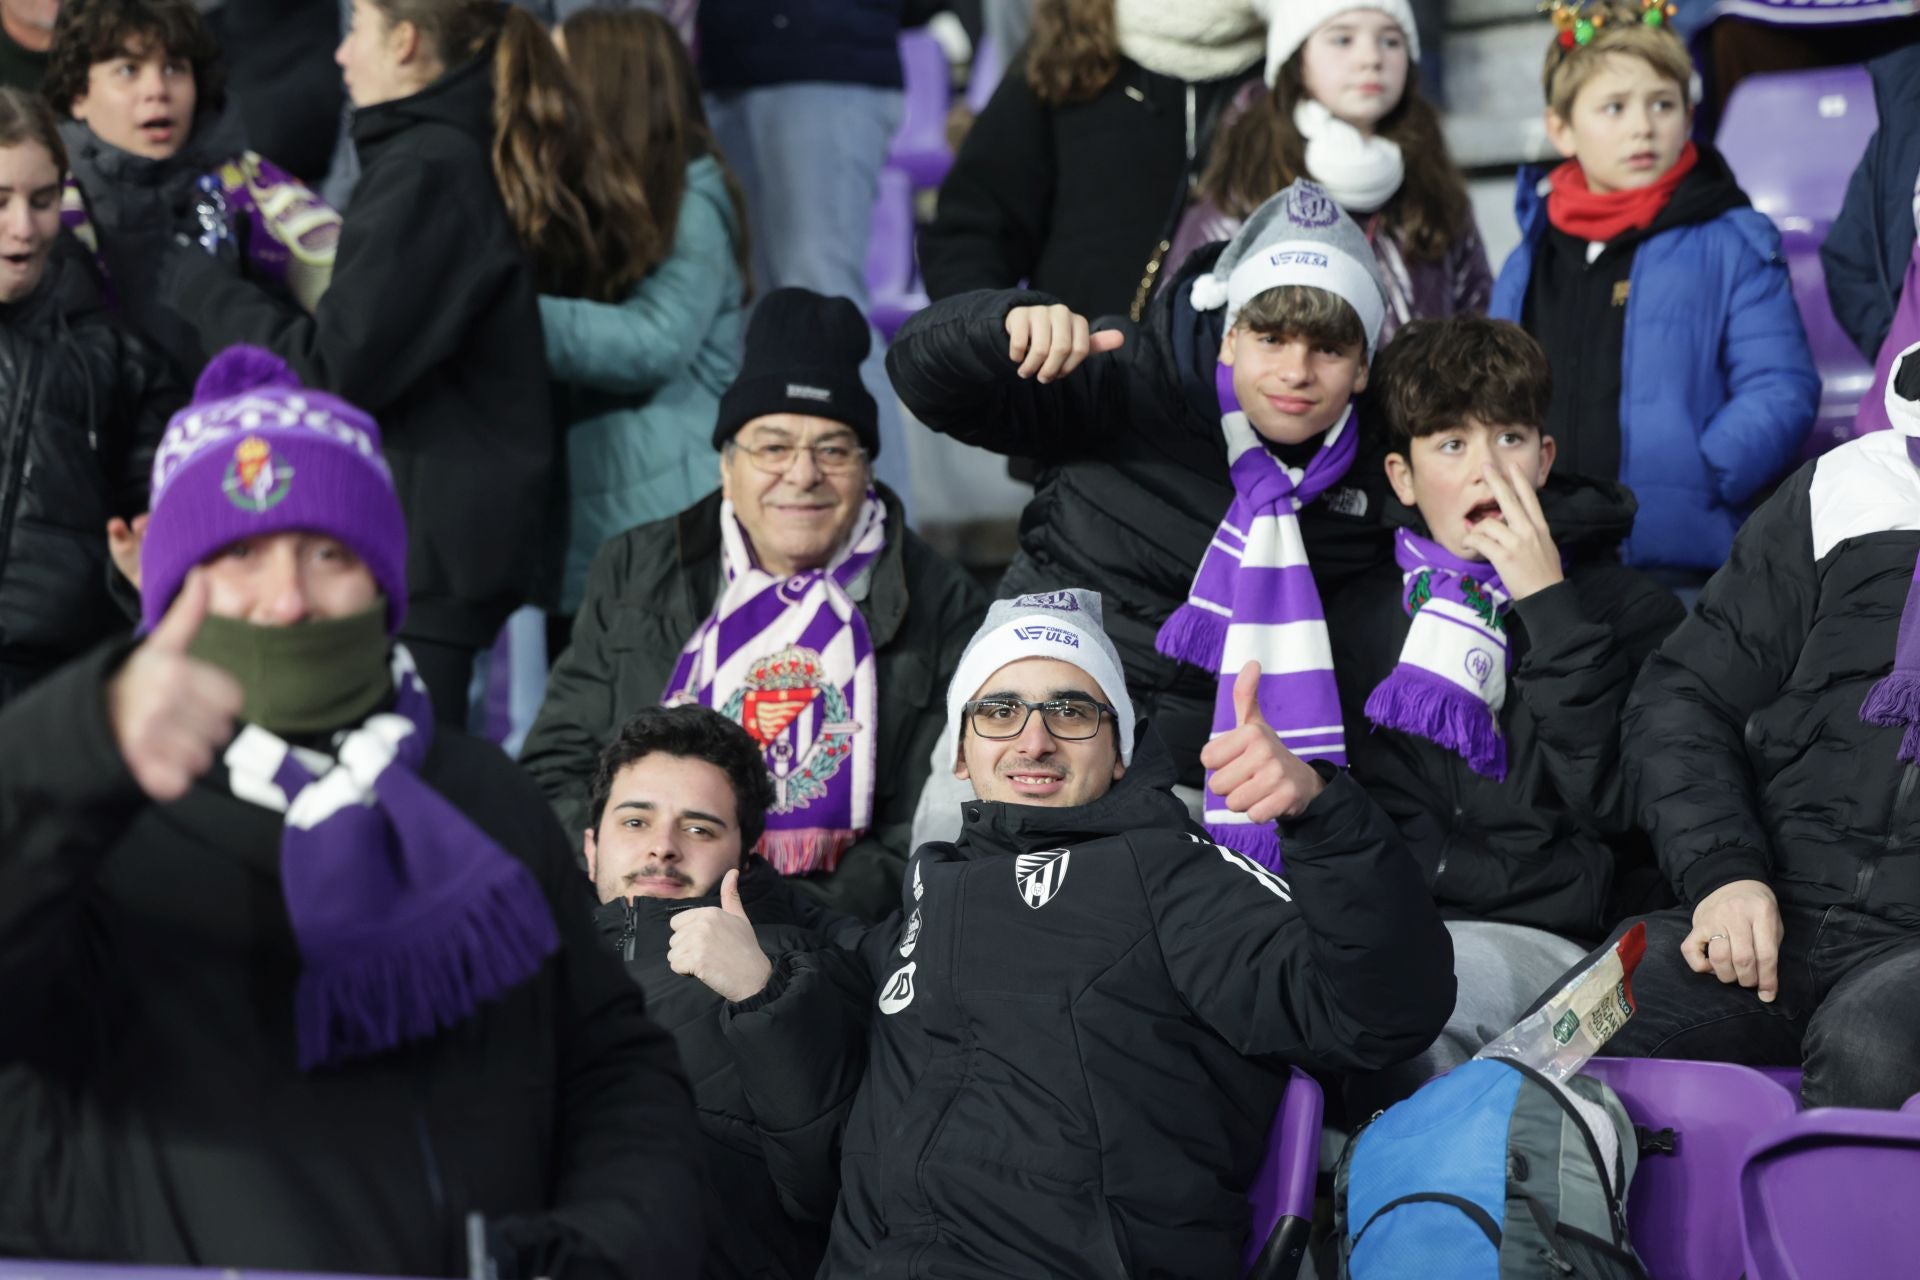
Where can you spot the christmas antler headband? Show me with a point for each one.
(1576, 21)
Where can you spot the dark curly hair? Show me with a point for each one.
(92, 31)
(1436, 372)
(695, 733)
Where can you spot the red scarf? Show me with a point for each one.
(1589, 215)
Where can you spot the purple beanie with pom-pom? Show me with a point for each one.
(257, 453)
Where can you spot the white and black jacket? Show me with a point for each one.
(1079, 1027)
(1743, 735)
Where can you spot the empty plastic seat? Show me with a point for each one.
(1829, 1193)
(920, 146)
(893, 289)
(1793, 140)
(1282, 1193)
(1682, 1211)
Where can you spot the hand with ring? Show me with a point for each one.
(1736, 937)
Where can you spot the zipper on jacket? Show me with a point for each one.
(14, 480)
(629, 930)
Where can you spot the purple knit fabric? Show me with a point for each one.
(1444, 688)
(1253, 587)
(408, 916)
(1895, 700)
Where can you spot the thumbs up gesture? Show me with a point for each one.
(717, 946)
(170, 712)
(1251, 767)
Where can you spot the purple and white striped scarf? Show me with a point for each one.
(406, 913)
(1451, 680)
(1254, 597)
(790, 660)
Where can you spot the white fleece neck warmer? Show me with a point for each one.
(1361, 173)
(1191, 40)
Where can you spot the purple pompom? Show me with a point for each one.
(243, 368)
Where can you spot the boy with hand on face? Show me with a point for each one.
(1680, 365)
(1483, 678)
(1199, 468)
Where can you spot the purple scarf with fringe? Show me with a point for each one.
(407, 915)
(1451, 680)
(1894, 702)
(791, 661)
(1254, 597)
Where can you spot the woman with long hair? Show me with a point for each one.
(638, 375)
(475, 194)
(1344, 108)
(1073, 176)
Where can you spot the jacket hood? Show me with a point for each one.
(461, 99)
(1703, 195)
(217, 137)
(1193, 337)
(1142, 800)
(1587, 517)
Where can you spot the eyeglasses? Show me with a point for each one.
(1070, 719)
(776, 458)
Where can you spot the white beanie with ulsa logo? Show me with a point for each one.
(1063, 625)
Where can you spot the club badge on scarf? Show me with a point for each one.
(407, 914)
(1451, 680)
(1254, 598)
(790, 660)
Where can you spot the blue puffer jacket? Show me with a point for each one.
(638, 383)
(1717, 384)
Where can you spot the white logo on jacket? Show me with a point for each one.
(912, 935)
(1040, 875)
(898, 993)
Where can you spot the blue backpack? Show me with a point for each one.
(1488, 1172)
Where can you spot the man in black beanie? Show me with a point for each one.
(794, 601)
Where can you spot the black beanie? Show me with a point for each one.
(803, 356)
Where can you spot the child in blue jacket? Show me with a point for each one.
(1680, 366)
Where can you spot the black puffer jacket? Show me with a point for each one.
(1083, 1016)
(432, 325)
(1073, 198)
(1744, 742)
(151, 1106)
(82, 406)
(1541, 847)
(750, 1233)
(1136, 481)
(651, 587)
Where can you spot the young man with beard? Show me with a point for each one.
(1082, 1012)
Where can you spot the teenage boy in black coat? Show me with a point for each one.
(312, 996)
(1523, 864)
(1081, 1014)
(678, 801)
(431, 321)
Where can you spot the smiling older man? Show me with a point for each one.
(795, 601)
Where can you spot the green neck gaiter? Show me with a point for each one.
(312, 677)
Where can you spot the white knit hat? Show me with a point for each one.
(1290, 22)
(1063, 625)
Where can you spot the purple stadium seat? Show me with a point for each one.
(920, 147)
(1830, 1193)
(1282, 1193)
(1793, 139)
(1911, 1106)
(893, 290)
(984, 76)
(26, 1269)
(1682, 1211)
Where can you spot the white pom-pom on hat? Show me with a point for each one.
(1209, 293)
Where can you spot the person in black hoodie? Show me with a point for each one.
(1128, 426)
(82, 404)
(678, 801)
(432, 322)
(312, 995)
(150, 129)
(1081, 1014)
(1520, 844)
